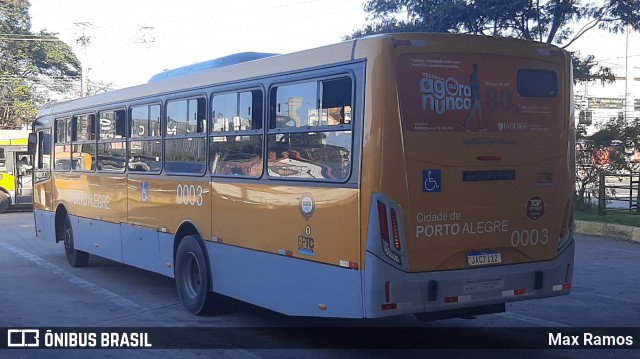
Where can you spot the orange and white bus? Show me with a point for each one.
(427, 174)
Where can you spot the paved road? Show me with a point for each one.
(39, 289)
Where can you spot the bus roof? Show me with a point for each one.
(210, 64)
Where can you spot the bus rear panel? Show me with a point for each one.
(474, 209)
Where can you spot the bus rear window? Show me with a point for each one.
(537, 83)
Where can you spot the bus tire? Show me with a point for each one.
(193, 279)
(76, 258)
(5, 201)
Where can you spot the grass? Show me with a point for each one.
(624, 218)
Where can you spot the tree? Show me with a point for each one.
(98, 87)
(548, 21)
(32, 65)
(611, 150)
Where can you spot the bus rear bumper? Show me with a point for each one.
(392, 292)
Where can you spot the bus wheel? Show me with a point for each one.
(4, 201)
(192, 277)
(76, 258)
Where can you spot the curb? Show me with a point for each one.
(600, 229)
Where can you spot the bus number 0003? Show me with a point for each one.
(189, 195)
(527, 237)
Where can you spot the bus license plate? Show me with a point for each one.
(484, 258)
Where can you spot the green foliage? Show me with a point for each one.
(548, 21)
(617, 218)
(586, 69)
(32, 65)
(609, 150)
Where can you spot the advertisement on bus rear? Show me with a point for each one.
(444, 92)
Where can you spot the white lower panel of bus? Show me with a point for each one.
(97, 237)
(138, 246)
(288, 285)
(45, 225)
(389, 291)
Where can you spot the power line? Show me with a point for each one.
(276, 22)
(26, 35)
(103, 30)
(29, 39)
(217, 15)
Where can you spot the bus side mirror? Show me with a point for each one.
(32, 145)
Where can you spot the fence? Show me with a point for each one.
(619, 192)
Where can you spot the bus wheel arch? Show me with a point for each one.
(61, 213)
(185, 229)
(191, 272)
(64, 233)
(5, 200)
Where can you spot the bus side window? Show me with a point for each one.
(3, 161)
(84, 145)
(111, 142)
(62, 144)
(121, 124)
(145, 144)
(336, 101)
(185, 143)
(43, 151)
(310, 134)
(235, 147)
(61, 130)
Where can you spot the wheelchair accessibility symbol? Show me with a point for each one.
(431, 181)
(145, 192)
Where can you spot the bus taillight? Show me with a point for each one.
(383, 215)
(394, 229)
(384, 225)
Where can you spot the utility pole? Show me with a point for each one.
(84, 40)
(628, 101)
(146, 37)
